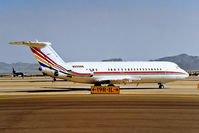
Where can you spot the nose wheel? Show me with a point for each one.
(161, 85)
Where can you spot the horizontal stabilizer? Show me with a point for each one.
(32, 44)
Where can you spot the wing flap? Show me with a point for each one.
(117, 78)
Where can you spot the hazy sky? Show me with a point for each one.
(92, 30)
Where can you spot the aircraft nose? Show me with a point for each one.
(186, 74)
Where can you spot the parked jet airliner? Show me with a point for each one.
(98, 73)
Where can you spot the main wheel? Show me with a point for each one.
(161, 86)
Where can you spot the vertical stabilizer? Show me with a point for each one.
(45, 54)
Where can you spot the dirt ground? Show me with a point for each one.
(39, 105)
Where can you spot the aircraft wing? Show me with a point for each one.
(118, 79)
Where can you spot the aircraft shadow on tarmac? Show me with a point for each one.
(46, 81)
(62, 89)
(57, 90)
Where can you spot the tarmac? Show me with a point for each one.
(39, 105)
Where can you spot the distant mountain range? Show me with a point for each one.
(6, 68)
(185, 61)
(113, 59)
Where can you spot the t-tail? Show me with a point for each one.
(50, 62)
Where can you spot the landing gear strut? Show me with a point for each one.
(161, 85)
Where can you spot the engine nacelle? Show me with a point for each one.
(50, 72)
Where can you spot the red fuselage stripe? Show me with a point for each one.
(46, 58)
(144, 72)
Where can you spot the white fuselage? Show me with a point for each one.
(123, 72)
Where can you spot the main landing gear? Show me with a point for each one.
(99, 84)
(161, 85)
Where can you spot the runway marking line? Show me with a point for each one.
(136, 95)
